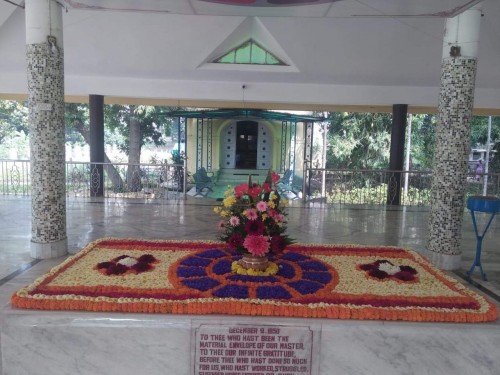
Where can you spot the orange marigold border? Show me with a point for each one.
(29, 298)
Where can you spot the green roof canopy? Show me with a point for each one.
(244, 113)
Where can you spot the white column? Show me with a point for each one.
(45, 60)
(456, 100)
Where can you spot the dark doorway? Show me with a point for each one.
(246, 144)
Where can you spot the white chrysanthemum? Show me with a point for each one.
(128, 261)
(389, 268)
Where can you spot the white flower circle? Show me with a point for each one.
(128, 261)
(389, 268)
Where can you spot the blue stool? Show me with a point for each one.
(486, 204)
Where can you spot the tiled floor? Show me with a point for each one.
(90, 219)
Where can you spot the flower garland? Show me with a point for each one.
(253, 218)
(384, 269)
(124, 264)
(314, 281)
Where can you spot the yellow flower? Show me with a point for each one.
(217, 209)
(271, 204)
(264, 216)
(225, 213)
(229, 201)
(284, 202)
(273, 196)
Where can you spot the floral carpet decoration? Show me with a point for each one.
(314, 281)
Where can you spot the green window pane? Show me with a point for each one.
(271, 60)
(227, 59)
(249, 52)
(258, 55)
(243, 54)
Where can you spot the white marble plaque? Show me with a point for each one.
(247, 349)
(43, 106)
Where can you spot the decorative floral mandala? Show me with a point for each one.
(384, 269)
(313, 281)
(125, 264)
(210, 272)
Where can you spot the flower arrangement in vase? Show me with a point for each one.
(253, 223)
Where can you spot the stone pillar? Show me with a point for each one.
(396, 158)
(45, 60)
(96, 109)
(456, 99)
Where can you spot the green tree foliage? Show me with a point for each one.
(76, 120)
(13, 119)
(138, 125)
(362, 141)
(129, 127)
(479, 130)
(494, 166)
(479, 138)
(359, 140)
(153, 126)
(422, 142)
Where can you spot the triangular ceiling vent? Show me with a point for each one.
(250, 47)
(249, 52)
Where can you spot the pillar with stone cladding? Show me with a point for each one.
(452, 138)
(45, 61)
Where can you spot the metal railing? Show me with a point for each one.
(109, 180)
(168, 181)
(382, 187)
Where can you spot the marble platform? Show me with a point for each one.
(43, 342)
(65, 343)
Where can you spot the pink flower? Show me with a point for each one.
(235, 241)
(272, 213)
(266, 187)
(255, 227)
(221, 225)
(251, 214)
(234, 221)
(257, 245)
(279, 218)
(261, 206)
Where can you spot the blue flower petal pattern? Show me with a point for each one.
(191, 271)
(194, 261)
(320, 277)
(202, 284)
(222, 267)
(254, 279)
(231, 290)
(209, 272)
(313, 265)
(294, 257)
(305, 286)
(286, 271)
(213, 254)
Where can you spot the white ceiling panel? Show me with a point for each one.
(162, 49)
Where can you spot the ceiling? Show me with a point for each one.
(341, 53)
(283, 8)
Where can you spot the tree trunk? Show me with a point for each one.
(114, 176)
(134, 152)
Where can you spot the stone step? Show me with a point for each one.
(239, 176)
